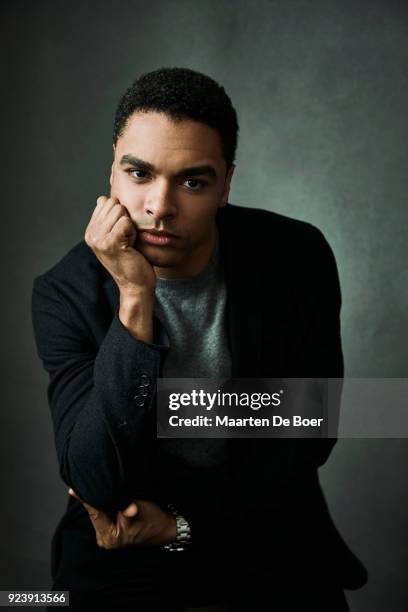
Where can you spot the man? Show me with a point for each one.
(173, 281)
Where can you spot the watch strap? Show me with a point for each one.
(183, 537)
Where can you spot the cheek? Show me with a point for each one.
(126, 194)
(200, 223)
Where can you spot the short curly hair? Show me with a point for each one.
(182, 93)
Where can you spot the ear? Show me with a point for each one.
(227, 187)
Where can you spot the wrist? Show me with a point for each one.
(171, 530)
(132, 296)
(136, 314)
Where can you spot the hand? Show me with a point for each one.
(111, 234)
(141, 523)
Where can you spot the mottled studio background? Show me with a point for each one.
(321, 91)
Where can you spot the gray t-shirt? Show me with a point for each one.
(193, 313)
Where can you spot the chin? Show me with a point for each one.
(160, 257)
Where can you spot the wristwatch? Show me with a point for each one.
(183, 538)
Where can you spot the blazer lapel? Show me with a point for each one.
(243, 282)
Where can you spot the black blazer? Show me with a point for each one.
(283, 313)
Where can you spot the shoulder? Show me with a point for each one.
(78, 274)
(266, 230)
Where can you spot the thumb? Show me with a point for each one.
(130, 511)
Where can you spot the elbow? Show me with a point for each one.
(99, 485)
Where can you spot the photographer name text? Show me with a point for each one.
(229, 422)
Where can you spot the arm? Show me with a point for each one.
(102, 399)
(103, 433)
(318, 350)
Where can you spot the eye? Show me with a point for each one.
(192, 184)
(198, 184)
(131, 172)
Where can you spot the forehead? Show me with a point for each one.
(154, 136)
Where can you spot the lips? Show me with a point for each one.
(159, 232)
(157, 237)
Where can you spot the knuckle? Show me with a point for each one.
(120, 214)
(88, 238)
(115, 533)
(108, 246)
(125, 221)
(121, 208)
(103, 244)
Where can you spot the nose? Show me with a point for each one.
(159, 202)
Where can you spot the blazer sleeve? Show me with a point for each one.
(269, 475)
(101, 401)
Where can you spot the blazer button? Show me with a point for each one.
(145, 380)
(141, 392)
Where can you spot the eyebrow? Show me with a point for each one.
(205, 169)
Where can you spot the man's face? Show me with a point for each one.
(171, 177)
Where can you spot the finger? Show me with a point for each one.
(100, 204)
(100, 520)
(103, 208)
(106, 531)
(131, 511)
(115, 213)
(101, 199)
(129, 527)
(73, 494)
(103, 205)
(124, 232)
(90, 509)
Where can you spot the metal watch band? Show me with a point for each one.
(183, 538)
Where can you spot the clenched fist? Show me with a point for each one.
(111, 235)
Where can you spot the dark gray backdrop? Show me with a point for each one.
(321, 90)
